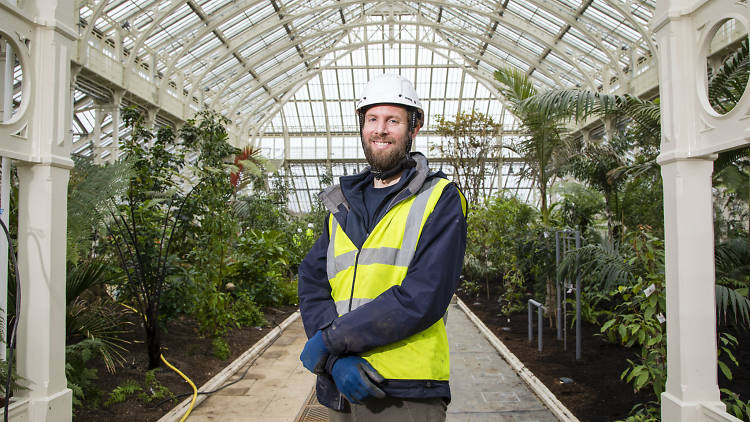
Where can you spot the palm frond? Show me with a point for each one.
(727, 84)
(82, 277)
(602, 264)
(90, 187)
(574, 103)
(731, 305)
(726, 158)
(516, 85)
(634, 170)
(647, 114)
(98, 319)
(732, 259)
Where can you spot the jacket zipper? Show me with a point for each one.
(354, 279)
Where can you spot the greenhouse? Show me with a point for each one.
(190, 192)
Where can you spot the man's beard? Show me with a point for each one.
(381, 161)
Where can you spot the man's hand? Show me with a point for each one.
(354, 378)
(315, 354)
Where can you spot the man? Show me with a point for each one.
(376, 285)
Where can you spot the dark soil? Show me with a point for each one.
(184, 348)
(597, 393)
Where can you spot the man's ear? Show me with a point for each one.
(415, 131)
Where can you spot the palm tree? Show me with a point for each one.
(542, 132)
(725, 88)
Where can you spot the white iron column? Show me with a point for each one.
(691, 312)
(692, 386)
(97, 135)
(42, 218)
(42, 215)
(114, 147)
(151, 123)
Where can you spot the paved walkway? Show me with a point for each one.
(277, 387)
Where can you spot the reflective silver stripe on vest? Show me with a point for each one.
(342, 306)
(330, 257)
(385, 255)
(381, 256)
(402, 257)
(391, 256)
(414, 222)
(334, 264)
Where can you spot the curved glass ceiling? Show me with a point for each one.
(287, 72)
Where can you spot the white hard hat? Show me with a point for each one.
(390, 89)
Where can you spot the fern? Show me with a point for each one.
(726, 86)
(81, 377)
(121, 393)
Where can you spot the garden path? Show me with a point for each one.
(484, 385)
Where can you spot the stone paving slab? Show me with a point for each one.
(274, 389)
(484, 387)
(277, 386)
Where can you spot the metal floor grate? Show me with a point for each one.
(312, 411)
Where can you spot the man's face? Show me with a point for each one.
(385, 135)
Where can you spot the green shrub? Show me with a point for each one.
(216, 310)
(736, 406)
(81, 378)
(154, 390)
(221, 348)
(470, 288)
(512, 299)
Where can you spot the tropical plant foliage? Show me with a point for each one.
(616, 180)
(471, 148)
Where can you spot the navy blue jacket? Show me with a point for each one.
(416, 304)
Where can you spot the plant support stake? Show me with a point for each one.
(540, 315)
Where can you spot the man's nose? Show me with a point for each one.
(381, 126)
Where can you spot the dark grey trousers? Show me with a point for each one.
(392, 409)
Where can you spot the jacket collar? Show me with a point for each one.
(334, 200)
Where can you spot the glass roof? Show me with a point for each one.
(287, 72)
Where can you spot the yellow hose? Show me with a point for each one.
(188, 380)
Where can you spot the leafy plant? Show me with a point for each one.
(512, 298)
(470, 146)
(81, 377)
(542, 132)
(122, 392)
(735, 405)
(470, 288)
(645, 412)
(221, 348)
(727, 343)
(144, 221)
(94, 316)
(258, 267)
(153, 389)
(220, 310)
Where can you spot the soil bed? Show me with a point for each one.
(184, 348)
(597, 393)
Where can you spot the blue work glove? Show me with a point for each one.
(315, 354)
(354, 378)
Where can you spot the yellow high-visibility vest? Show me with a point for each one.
(382, 263)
